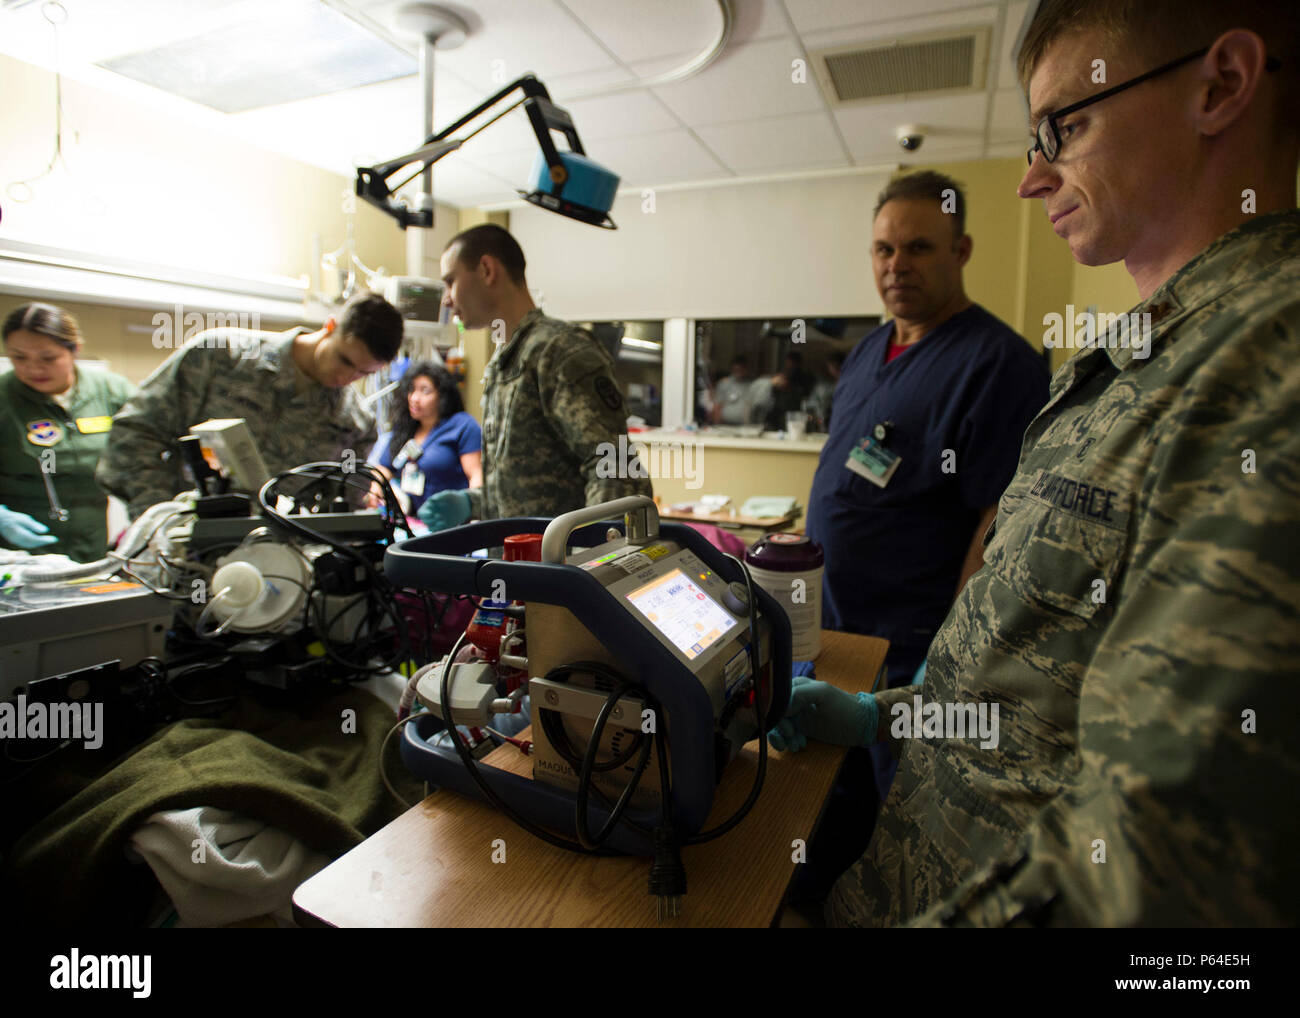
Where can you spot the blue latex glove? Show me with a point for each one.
(21, 531)
(445, 509)
(919, 677)
(823, 712)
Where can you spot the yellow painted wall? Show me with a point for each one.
(121, 336)
(742, 474)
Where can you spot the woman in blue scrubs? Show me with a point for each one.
(432, 444)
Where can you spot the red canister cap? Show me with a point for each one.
(523, 548)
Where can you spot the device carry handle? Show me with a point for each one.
(640, 513)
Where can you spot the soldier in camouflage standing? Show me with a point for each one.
(1135, 623)
(293, 388)
(552, 412)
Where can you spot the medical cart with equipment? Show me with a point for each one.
(651, 659)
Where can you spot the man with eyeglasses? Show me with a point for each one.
(1136, 624)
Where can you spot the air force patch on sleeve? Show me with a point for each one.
(608, 392)
(44, 433)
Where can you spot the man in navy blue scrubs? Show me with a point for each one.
(929, 413)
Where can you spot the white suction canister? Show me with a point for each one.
(259, 588)
(790, 567)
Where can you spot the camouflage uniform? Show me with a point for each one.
(550, 403)
(1122, 707)
(228, 373)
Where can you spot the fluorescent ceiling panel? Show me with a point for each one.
(305, 50)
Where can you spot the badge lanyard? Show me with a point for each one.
(872, 458)
(46, 433)
(408, 460)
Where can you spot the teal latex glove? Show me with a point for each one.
(445, 509)
(21, 531)
(820, 711)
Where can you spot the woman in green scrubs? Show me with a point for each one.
(55, 415)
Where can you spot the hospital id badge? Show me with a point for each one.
(870, 459)
(412, 479)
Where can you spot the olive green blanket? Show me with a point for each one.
(313, 772)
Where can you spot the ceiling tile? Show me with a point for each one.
(642, 31)
(757, 19)
(750, 81)
(620, 114)
(803, 140)
(508, 39)
(849, 35)
(564, 86)
(953, 122)
(819, 15)
(1016, 13)
(661, 158)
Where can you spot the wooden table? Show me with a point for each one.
(735, 522)
(433, 866)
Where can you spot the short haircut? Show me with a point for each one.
(44, 320)
(1162, 30)
(926, 184)
(490, 239)
(371, 319)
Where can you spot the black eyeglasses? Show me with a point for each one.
(1048, 135)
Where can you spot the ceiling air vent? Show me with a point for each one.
(920, 65)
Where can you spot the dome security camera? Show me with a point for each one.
(910, 137)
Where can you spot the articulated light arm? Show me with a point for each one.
(598, 185)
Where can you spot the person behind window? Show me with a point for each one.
(823, 393)
(790, 388)
(731, 396)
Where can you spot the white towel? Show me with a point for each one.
(219, 867)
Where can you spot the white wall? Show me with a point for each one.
(734, 251)
(154, 185)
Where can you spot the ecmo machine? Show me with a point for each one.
(649, 654)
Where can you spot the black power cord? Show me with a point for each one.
(380, 595)
(667, 880)
(489, 792)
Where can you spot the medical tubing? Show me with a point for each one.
(408, 694)
(151, 517)
(490, 793)
(379, 588)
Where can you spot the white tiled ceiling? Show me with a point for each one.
(743, 115)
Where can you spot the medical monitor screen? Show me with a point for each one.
(690, 619)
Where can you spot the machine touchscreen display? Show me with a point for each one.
(690, 619)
